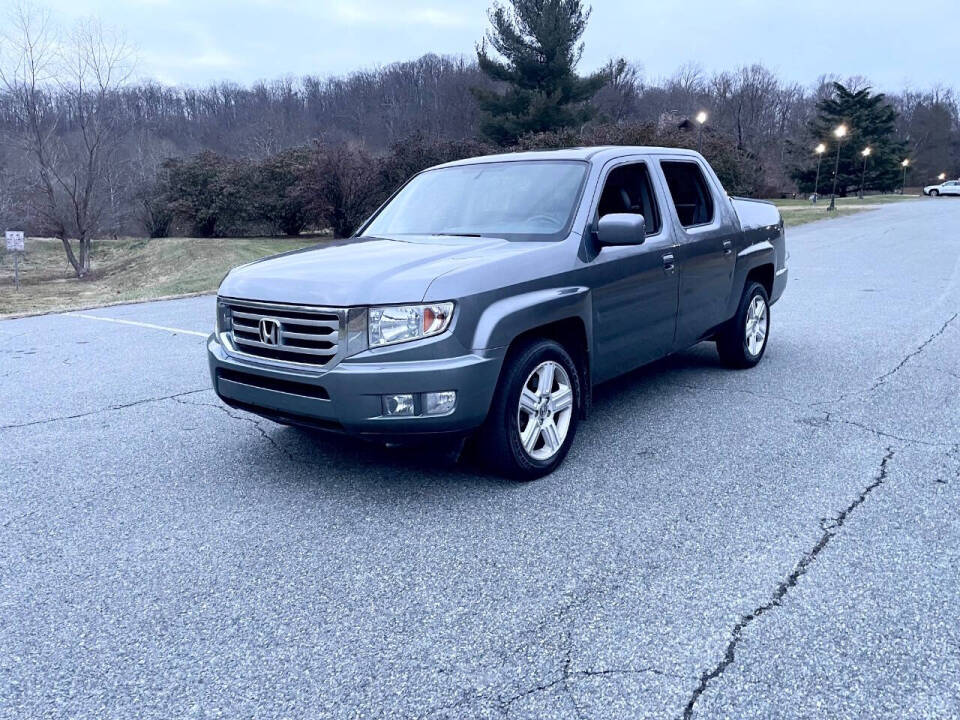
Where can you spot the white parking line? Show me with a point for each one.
(176, 331)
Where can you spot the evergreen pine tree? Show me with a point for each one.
(870, 122)
(539, 48)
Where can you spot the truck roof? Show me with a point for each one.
(599, 153)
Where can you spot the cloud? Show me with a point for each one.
(195, 49)
(380, 13)
(442, 18)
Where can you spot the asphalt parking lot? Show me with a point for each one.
(782, 542)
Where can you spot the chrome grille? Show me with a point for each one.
(296, 334)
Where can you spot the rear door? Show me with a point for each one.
(951, 188)
(706, 253)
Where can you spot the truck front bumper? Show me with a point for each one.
(348, 397)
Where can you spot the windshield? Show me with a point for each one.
(514, 200)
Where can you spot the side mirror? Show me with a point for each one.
(621, 229)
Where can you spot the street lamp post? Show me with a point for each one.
(840, 133)
(819, 150)
(701, 119)
(903, 186)
(863, 175)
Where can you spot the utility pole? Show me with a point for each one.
(863, 175)
(840, 132)
(819, 150)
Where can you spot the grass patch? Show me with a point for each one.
(126, 270)
(800, 211)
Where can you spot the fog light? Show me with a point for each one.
(439, 403)
(398, 405)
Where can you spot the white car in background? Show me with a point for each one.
(950, 187)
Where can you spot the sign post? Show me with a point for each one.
(15, 245)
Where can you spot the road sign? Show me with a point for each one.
(15, 245)
(14, 240)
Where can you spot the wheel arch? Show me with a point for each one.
(762, 274)
(756, 262)
(563, 315)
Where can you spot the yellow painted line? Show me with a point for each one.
(176, 331)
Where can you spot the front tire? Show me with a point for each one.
(934, 193)
(743, 340)
(535, 412)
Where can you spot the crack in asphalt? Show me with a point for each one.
(833, 417)
(882, 379)
(742, 391)
(570, 676)
(954, 454)
(830, 527)
(251, 420)
(943, 328)
(566, 677)
(110, 408)
(949, 373)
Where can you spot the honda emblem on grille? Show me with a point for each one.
(269, 331)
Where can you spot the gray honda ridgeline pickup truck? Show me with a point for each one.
(488, 296)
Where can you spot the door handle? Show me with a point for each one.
(727, 247)
(668, 262)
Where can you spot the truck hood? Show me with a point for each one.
(364, 270)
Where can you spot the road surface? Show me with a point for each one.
(782, 542)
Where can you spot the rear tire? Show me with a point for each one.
(742, 341)
(535, 412)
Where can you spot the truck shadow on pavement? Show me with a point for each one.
(341, 455)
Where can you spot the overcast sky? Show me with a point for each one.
(894, 44)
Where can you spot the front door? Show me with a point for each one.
(634, 286)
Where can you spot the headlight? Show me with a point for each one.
(402, 323)
(224, 318)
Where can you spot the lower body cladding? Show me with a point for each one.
(357, 397)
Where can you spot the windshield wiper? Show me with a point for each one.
(456, 234)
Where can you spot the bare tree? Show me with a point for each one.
(618, 99)
(84, 157)
(64, 89)
(6, 197)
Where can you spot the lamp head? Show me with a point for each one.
(701, 117)
(840, 131)
(820, 149)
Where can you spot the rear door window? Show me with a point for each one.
(689, 192)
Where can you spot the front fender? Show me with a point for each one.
(505, 319)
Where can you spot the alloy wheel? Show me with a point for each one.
(545, 410)
(757, 325)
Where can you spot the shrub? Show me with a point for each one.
(417, 153)
(210, 194)
(343, 186)
(279, 193)
(738, 170)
